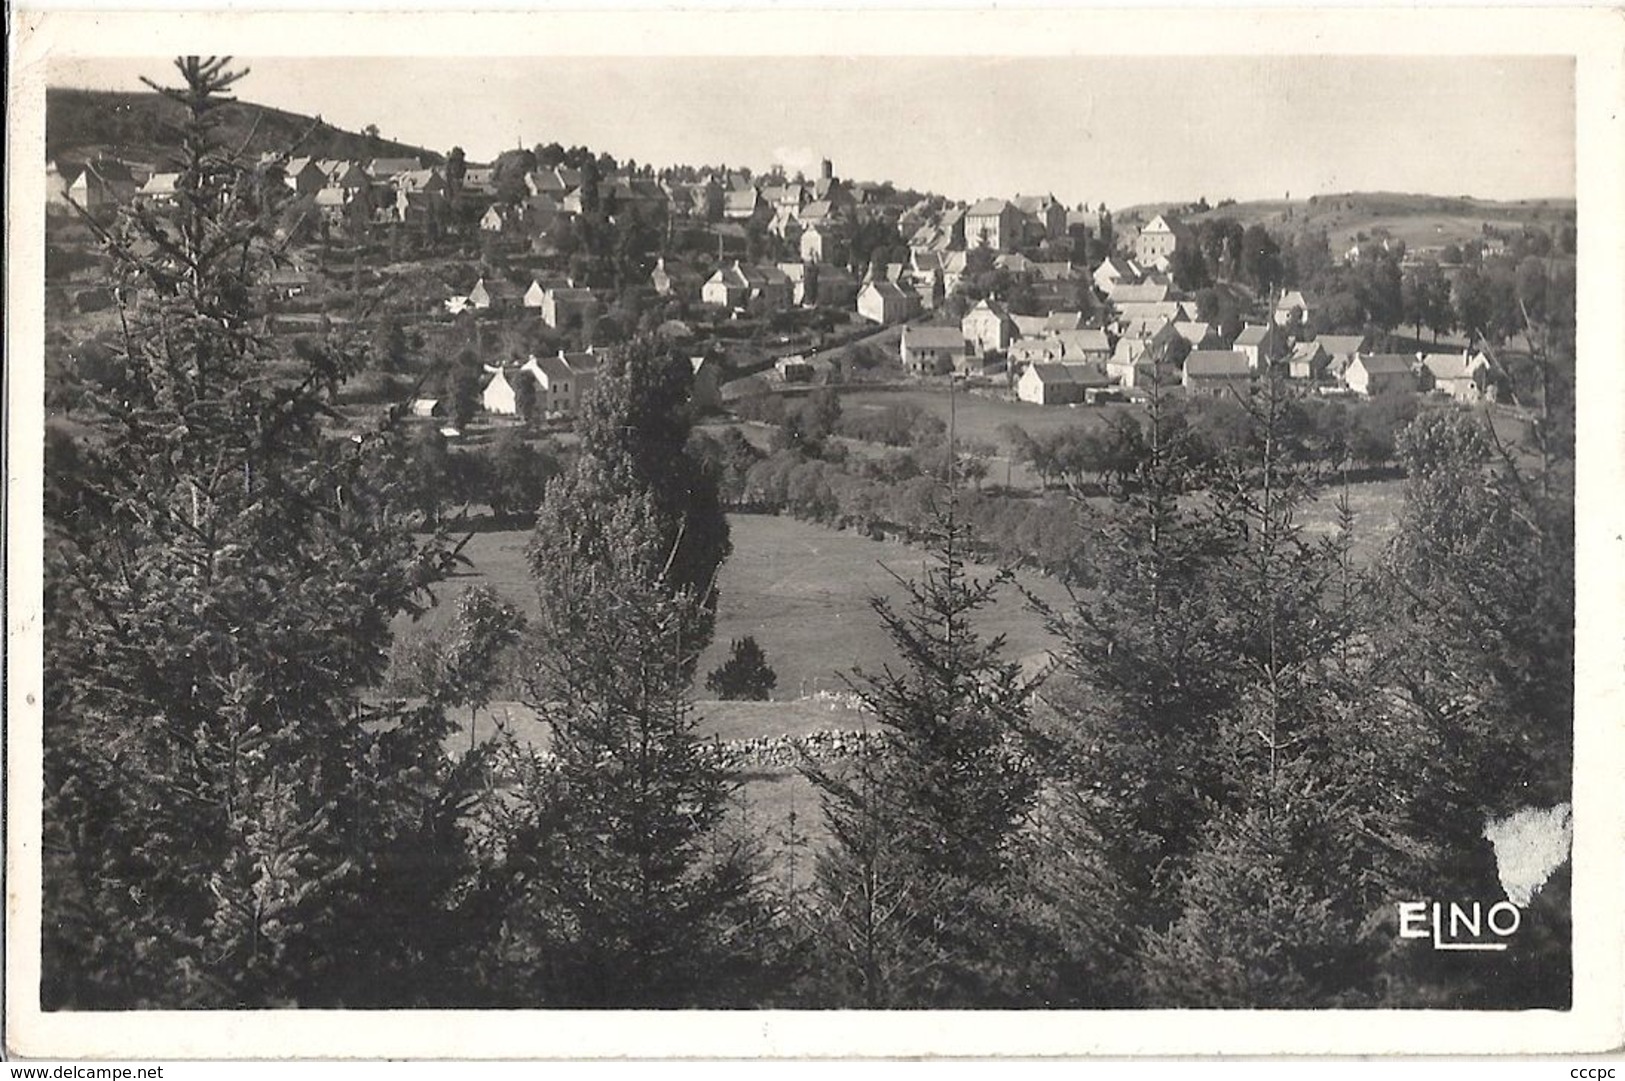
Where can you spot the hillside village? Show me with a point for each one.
(562, 581)
(542, 257)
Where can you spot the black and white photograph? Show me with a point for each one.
(1006, 539)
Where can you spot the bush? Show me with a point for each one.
(745, 675)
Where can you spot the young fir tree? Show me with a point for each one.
(925, 822)
(1478, 645)
(1295, 852)
(230, 818)
(618, 884)
(1129, 719)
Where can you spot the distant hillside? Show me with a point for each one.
(80, 124)
(1419, 220)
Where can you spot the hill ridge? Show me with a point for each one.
(81, 124)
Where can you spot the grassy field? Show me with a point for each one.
(802, 590)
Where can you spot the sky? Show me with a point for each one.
(1118, 130)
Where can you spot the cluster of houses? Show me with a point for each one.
(386, 189)
(1104, 330)
(560, 383)
(559, 302)
(1069, 356)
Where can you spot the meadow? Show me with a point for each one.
(803, 591)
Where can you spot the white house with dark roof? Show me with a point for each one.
(1341, 349)
(564, 306)
(1158, 241)
(988, 327)
(1376, 374)
(1291, 307)
(1060, 384)
(996, 220)
(1307, 360)
(931, 350)
(1464, 376)
(886, 302)
(1261, 342)
(727, 288)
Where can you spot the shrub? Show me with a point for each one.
(745, 675)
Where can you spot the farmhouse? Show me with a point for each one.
(734, 285)
(560, 382)
(1035, 351)
(389, 168)
(1261, 343)
(1084, 343)
(727, 288)
(484, 295)
(1029, 326)
(1291, 308)
(331, 203)
(821, 243)
(1201, 335)
(988, 327)
(1112, 270)
(564, 306)
(766, 284)
(1307, 361)
(102, 183)
(1042, 217)
(1141, 319)
(1341, 349)
(885, 302)
(1381, 373)
(1217, 372)
(303, 176)
(1464, 376)
(931, 350)
(1056, 322)
(1060, 384)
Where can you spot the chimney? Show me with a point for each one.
(826, 169)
